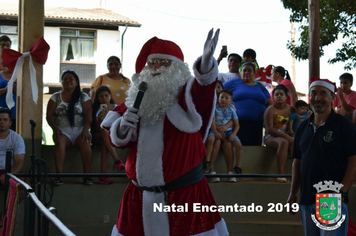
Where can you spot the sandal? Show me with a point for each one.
(57, 181)
(88, 181)
(282, 180)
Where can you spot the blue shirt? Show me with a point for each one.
(297, 120)
(222, 117)
(3, 84)
(250, 100)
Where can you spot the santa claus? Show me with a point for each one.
(166, 140)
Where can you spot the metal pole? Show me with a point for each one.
(39, 181)
(33, 156)
(29, 222)
(45, 226)
(7, 170)
(122, 48)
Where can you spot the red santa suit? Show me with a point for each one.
(162, 153)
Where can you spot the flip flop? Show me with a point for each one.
(88, 181)
(58, 181)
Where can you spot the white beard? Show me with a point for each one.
(161, 93)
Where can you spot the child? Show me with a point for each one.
(218, 88)
(297, 117)
(223, 114)
(210, 141)
(103, 96)
(249, 55)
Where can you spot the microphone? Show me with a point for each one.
(33, 123)
(141, 91)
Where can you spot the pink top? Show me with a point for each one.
(350, 100)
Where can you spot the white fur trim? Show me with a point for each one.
(208, 78)
(150, 147)
(154, 223)
(110, 118)
(164, 56)
(324, 84)
(219, 230)
(210, 119)
(114, 232)
(188, 121)
(116, 140)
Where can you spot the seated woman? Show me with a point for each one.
(251, 99)
(276, 119)
(103, 103)
(116, 81)
(69, 115)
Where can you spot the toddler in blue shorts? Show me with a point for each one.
(221, 131)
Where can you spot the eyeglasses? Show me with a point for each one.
(161, 62)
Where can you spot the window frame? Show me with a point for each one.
(77, 37)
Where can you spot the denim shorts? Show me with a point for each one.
(227, 134)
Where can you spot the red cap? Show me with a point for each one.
(158, 48)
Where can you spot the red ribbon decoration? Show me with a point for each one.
(14, 62)
(39, 53)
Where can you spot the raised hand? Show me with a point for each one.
(209, 49)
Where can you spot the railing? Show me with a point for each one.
(32, 202)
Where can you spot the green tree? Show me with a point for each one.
(337, 21)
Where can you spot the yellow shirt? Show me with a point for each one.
(117, 87)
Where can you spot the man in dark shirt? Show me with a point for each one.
(324, 150)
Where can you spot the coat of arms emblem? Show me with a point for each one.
(328, 206)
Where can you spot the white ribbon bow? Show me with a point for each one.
(9, 96)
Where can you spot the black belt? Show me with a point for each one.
(191, 177)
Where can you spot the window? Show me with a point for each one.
(11, 32)
(77, 45)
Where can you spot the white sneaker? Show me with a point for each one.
(213, 179)
(231, 179)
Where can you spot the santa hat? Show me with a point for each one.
(322, 82)
(158, 48)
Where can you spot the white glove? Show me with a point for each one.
(207, 60)
(129, 120)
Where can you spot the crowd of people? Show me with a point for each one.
(278, 113)
(256, 110)
(244, 108)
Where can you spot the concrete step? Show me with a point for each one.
(241, 228)
(255, 160)
(82, 208)
(265, 228)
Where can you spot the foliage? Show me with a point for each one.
(337, 20)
